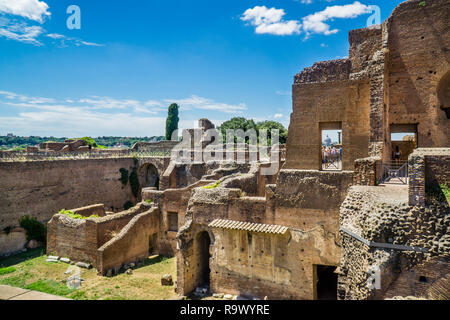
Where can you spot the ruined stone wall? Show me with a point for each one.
(289, 269)
(79, 239)
(12, 241)
(131, 244)
(427, 169)
(366, 171)
(419, 58)
(382, 215)
(72, 238)
(428, 280)
(41, 188)
(321, 106)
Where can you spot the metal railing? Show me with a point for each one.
(394, 171)
(332, 162)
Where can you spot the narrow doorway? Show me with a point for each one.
(203, 243)
(152, 244)
(326, 282)
(331, 152)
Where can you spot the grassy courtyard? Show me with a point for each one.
(30, 270)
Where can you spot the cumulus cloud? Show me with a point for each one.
(31, 9)
(270, 21)
(315, 23)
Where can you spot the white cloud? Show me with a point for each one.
(278, 116)
(270, 21)
(96, 116)
(64, 41)
(20, 31)
(315, 23)
(31, 9)
(195, 102)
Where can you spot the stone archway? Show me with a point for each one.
(443, 92)
(148, 176)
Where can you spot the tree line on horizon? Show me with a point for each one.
(172, 121)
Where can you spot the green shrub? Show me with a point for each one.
(134, 182)
(35, 230)
(128, 205)
(149, 201)
(7, 270)
(422, 4)
(124, 176)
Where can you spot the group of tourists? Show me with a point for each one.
(331, 153)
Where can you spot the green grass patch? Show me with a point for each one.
(51, 287)
(75, 215)
(7, 270)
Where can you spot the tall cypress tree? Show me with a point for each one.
(172, 120)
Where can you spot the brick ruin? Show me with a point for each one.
(303, 232)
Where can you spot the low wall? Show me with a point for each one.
(12, 242)
(428, 168)
(79, 239)
(131, 244)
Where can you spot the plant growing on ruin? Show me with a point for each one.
(35, 230)
(172, 120)
(75, 215)
(212, 186)
(124, 176)
(149, 201)
(422, 4)
(134, 182)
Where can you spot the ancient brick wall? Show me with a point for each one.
(316, 105)
(72, 238)
(79, 239)
(428, 169)
(382, 217)
(418, 40)
(41, 188)
(366, 171)
(131, 244)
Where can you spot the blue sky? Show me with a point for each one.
(130, 60)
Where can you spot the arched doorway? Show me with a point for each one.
(149, 176)
(443, 92)
(203, 241)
